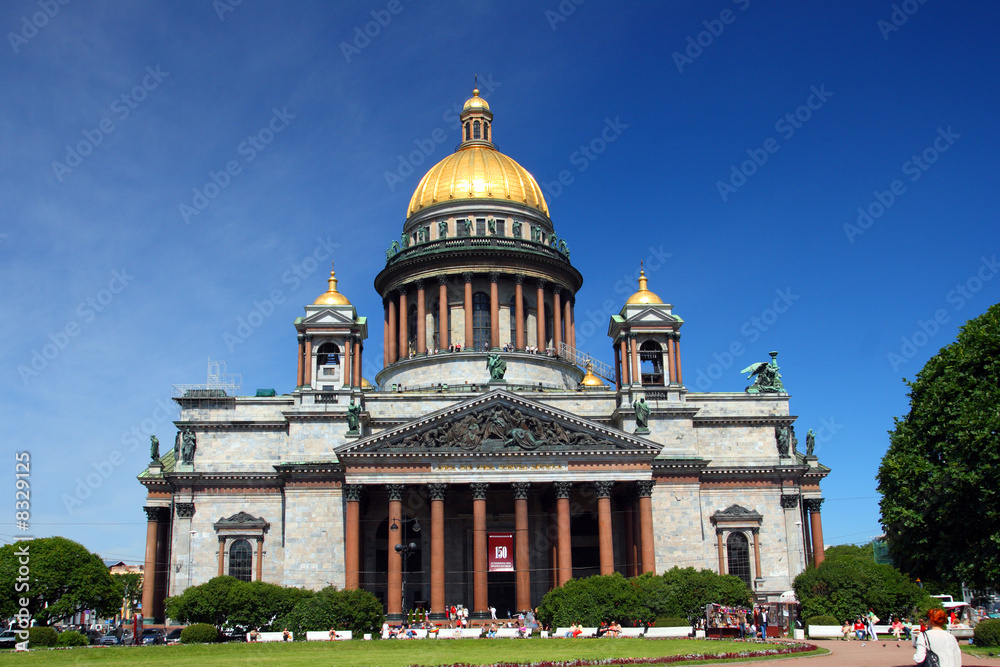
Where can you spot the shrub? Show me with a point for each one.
(671, 622)
(822, 620)
(42, 636)
(72, 638)
(987, 632)
(199, 633)
(355, 610)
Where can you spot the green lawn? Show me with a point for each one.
(376, 653)
(980, 651)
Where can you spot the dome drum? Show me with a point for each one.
(432, 372)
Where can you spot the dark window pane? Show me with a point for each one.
(738, 551)
(241, 560)
(480, 321)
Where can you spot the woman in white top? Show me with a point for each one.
(941, 641)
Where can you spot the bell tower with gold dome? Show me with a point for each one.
(478, 268)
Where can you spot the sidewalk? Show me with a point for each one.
(872, 654)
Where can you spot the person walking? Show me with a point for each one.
(938, 640)
(870, 620)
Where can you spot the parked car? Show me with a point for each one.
(111, 639)
(8, 638)
(93, 636)
(153, 636)
(174, 636)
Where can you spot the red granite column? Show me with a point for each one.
(636, 377)
(494, 311)
(356, 379)
(467, 345)
(671, 359)
(568, 322)
(604, 541)
(557, 336)
(260, 558)
(677, 357)
(347, 368)
(623, 351)
(162, 567)
(519, 312)
(646, 525)
(618, 367)
(540, 315)
(299, 372)
(522, 566)
(572, 323)
(444, 334)
(722, 551)
(222, 555)
(636, 537)
(352, 536)
(308, 361)
(816, 523)
(565, 565)
(480, 603)
(393, 355)
(394, 578)
(404, 326)
(756, 552)
(421, 319)
(436, 493)
(150, 574)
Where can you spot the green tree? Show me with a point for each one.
(355, 610)
(940, 478)
(686, 592)
(129, 588)
(846, 586)
(227, 602)
(592, 600)
(62, 578)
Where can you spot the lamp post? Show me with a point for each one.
(405, 549)
(190, 540)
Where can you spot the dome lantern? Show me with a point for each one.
(331, 297)
(477, 122)
(643, 296)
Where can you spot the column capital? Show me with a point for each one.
(402, 290)
(302, 338)
(812, 504)
(755, 530)
(494, 276)
(789, 502)
(436, 491)
(541, 283)
(157, 514)
(442, 280)
(563, 489)
(519, 278)
(260, 540)
(719, 531)
(644, 488)
(308, 338)
(521, 490)
(395, 492)
(556, 289)
(419, 284)
(603, 488)
(184, 510)
(353, 492)
(479, 490)
(222, 539)
(467, 276)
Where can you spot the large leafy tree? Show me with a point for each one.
(62, 578)
(227, 602)
(940, 479)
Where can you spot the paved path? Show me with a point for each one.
(872, 654)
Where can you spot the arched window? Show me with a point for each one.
(475, 130)
(651, 358)
(467, 131)
(486, 131)
(480, 321)
(241, 560)
(328, 354)
(513, 322)
(411, 326)
(738, 552)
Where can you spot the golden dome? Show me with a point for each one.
(643, 295)
(591, 380)
(331, 297)
(365, 384)
(477, 172)
(476, 102)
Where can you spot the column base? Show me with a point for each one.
(496, 383)
(480, 615)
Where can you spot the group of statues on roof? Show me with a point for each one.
(185, 445)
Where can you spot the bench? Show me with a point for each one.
(471, 633)
(632, 632)
(512, 633)
(273, 636)
(448, 633)
(587, 632)
(668, 632)
(825, 632)
(324, 635)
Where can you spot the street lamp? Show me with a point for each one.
(404, 549)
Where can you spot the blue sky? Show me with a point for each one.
(746, 137)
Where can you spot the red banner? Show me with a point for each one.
(501, 552)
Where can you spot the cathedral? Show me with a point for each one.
(491, 460)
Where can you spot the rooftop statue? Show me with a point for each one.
(768, 378)
(154, 448)
(353, 417)
(188, 447)
(810, 443)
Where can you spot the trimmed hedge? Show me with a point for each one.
(72, 638)
(987, 632)
(199, 633)
(672, 622)
(40, 635)
(823, 619)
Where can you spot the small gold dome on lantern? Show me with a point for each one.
(331, 297)
(643, 295)
(476, 102)
(591, 380)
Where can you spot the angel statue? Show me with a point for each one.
(768, 378)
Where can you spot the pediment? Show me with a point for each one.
(241, 520)
(499, 423)
(653, 315)
(329, 316)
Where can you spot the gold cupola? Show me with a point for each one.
(331, 297)
(643, 296)
(477, 170)
(590, 380)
